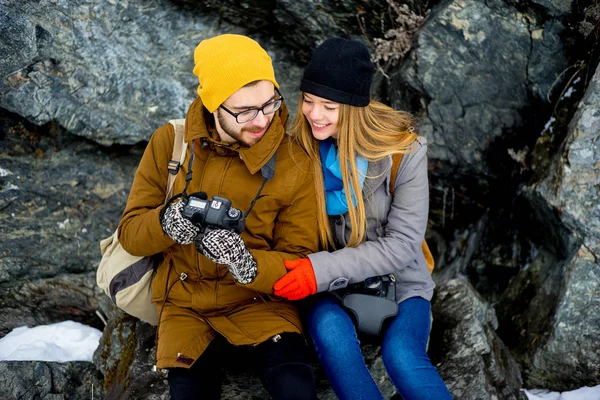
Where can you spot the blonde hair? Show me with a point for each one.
(372, 132)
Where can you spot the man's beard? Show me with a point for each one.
(239, 135)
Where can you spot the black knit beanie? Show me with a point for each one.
(340, 70)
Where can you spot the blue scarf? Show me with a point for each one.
(335, 196)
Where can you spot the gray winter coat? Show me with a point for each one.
(395, 231)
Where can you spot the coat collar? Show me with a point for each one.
(199, 124)
(377, 173)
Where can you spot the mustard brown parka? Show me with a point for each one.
(281, 226)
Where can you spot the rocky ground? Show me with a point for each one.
(507, 93)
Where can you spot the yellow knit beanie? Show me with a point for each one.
(226, 63)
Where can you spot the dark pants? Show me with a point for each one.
(282, 366)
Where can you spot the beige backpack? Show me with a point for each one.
(127, 279)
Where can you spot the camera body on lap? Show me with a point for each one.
(371, 303)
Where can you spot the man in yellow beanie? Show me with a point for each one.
(213, 288)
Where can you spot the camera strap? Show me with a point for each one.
(267, 171)
(188, 176)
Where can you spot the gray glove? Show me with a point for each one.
(180, 229)
(227, 247)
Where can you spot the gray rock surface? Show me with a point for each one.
(33, 302)
(555, 8)
(27, 380)
(308, 23)
(302, 25)
(125, 358)
(112, 72)
(472, 68)
(568, 353)
(56, 206)
(475, 363)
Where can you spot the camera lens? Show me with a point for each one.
(373, 283)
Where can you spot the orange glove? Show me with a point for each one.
(299, 282)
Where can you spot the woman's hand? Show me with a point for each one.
(299, 282)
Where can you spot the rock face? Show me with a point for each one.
(482, 76)
(474, 67)
(48, 381)
(125, 357)
(302, 25)
(567, 352)
(465, 335)
(556, 8)
(56, 208)
(112, 72)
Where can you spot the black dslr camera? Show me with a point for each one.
(380, 286)
(371, 303)
(216, 213)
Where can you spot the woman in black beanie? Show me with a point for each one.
(371, 168)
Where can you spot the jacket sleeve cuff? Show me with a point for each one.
(325, 280)
(269, 269)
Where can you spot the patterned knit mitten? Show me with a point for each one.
(227, 247)
(180, 229)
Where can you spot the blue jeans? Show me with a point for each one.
(403, 351)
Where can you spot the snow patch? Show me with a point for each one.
(548, 126)
(62, 342)
(10, 186)
(584, 393)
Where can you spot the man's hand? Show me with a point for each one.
(180, 229)
(299, 282)
(227, 247)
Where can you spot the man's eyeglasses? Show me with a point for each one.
(251, 113)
